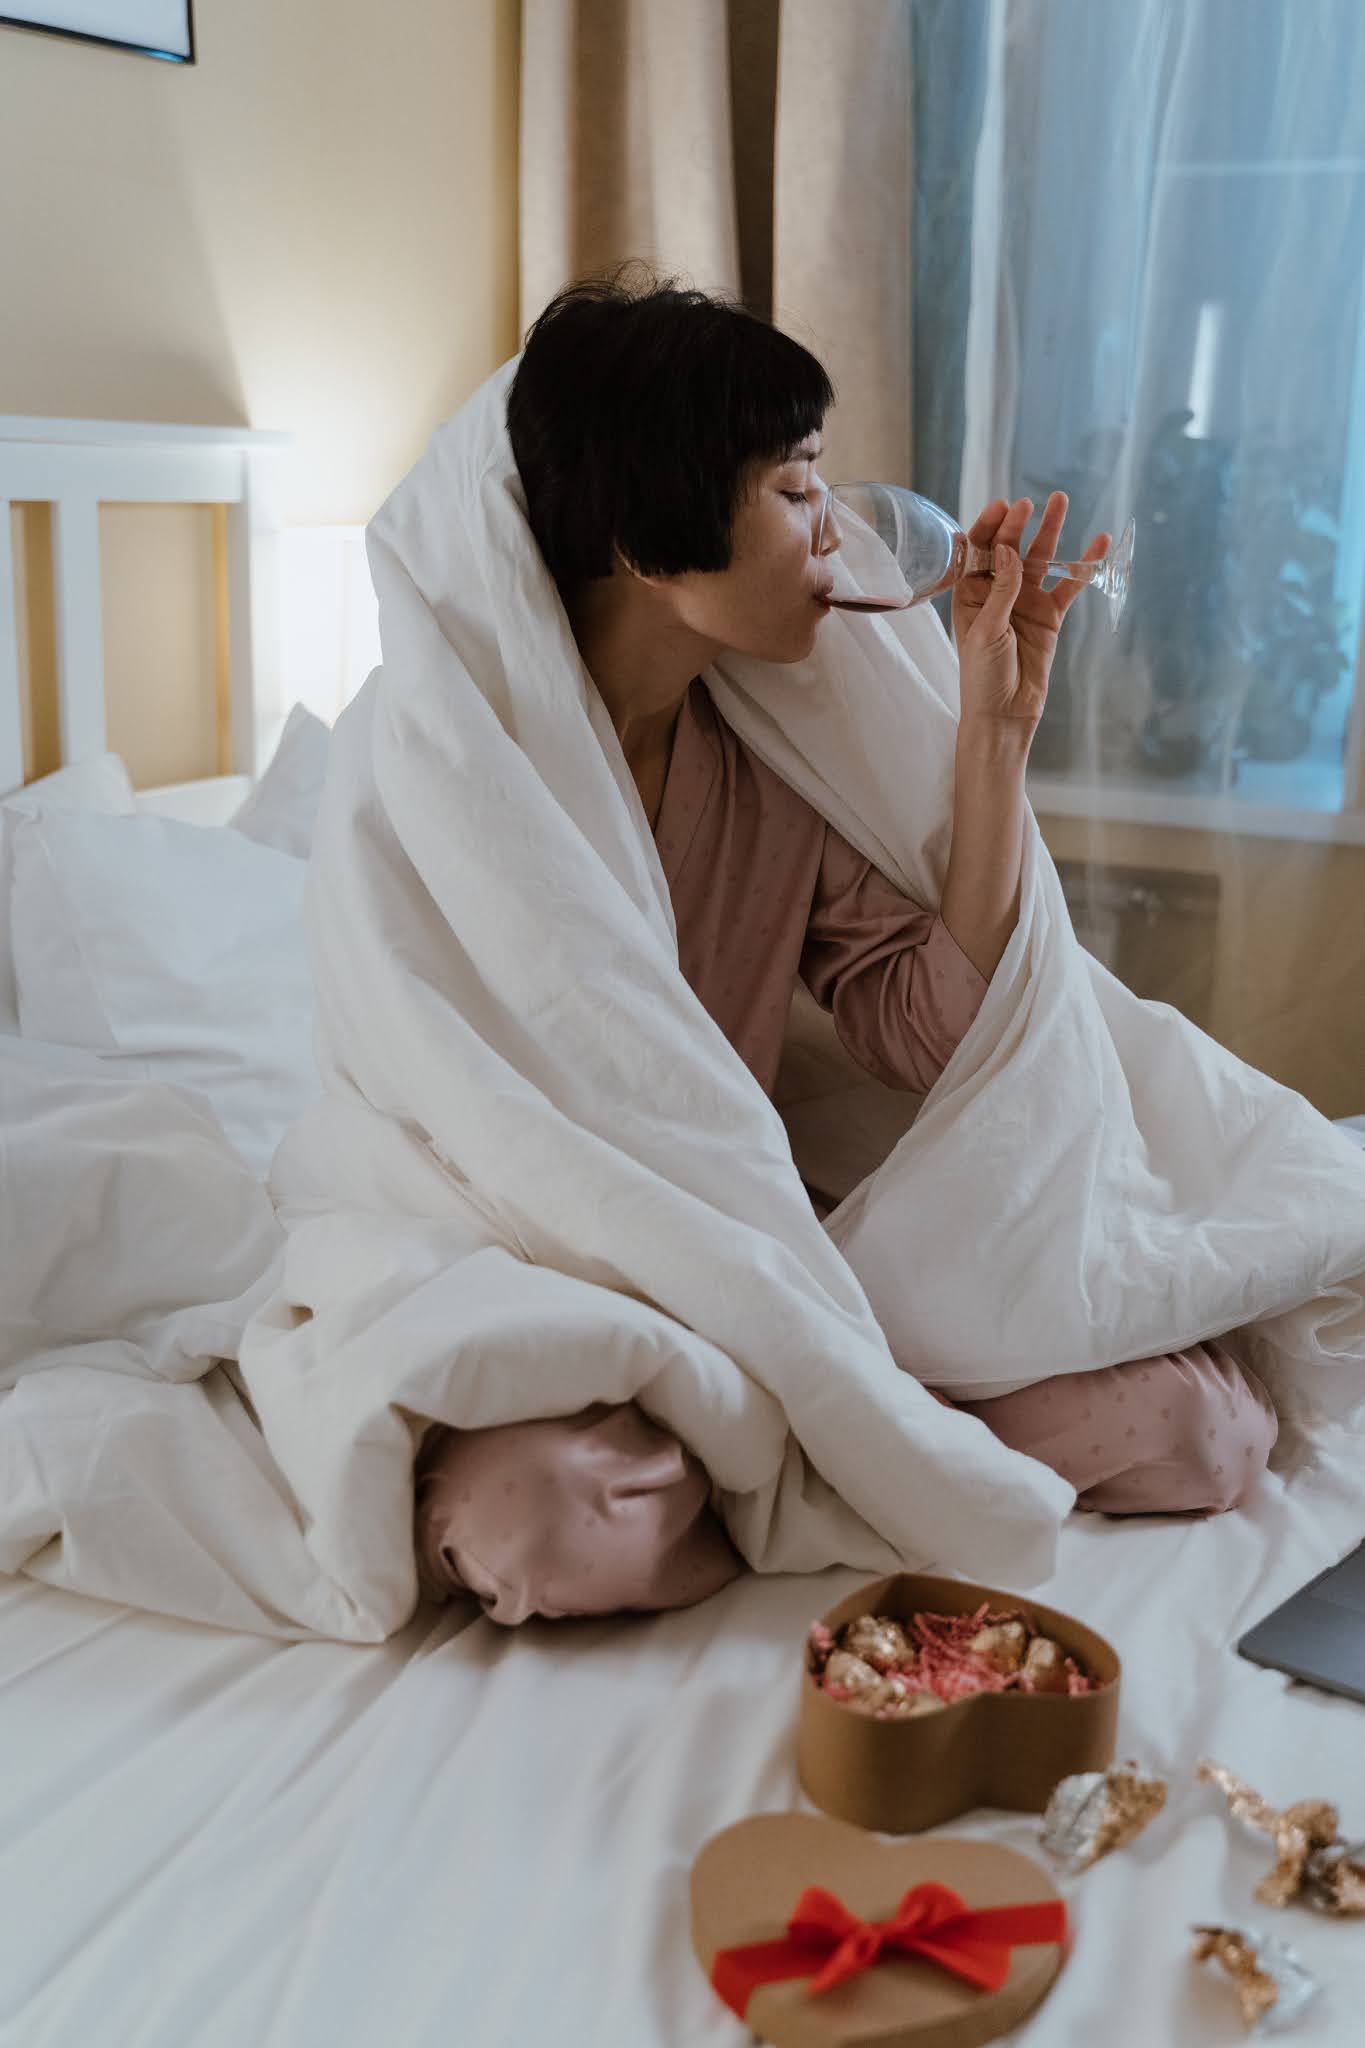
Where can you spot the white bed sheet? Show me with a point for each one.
(482, 1838)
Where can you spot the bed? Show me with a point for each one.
(210, 1839)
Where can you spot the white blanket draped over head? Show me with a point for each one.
(541, 1177)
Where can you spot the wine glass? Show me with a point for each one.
(930, 552)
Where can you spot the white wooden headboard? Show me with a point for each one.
(74, 465)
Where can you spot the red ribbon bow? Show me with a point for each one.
(829, 1944)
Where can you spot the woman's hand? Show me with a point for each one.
(1005, 624)
(1006, 630)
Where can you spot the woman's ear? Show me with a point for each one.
(623, 566)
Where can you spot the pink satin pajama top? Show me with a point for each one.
(763, 889)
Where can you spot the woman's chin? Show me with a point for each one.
(793, 642)
(798, 645)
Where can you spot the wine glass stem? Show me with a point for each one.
(981, 562)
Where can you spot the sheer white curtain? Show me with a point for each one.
(1165, 204)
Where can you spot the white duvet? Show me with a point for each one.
(541, 1177)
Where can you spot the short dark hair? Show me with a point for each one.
(634, 415)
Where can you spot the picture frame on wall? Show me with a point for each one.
(144, 28)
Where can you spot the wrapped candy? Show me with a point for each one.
(900, 1667)
(1001, 1646)
(1272, 1985)
(1096, 1811)
(879, 1641)
(1312, 1862)
(1045, 1666)
(847, 1673)
(910, 1705)
(869, 1691)
(861, 1686)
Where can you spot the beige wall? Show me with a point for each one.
(313, 228)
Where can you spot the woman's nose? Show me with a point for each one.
(828, 537)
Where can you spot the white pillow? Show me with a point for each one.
(99, 785)
(282, 808)
(177, 947)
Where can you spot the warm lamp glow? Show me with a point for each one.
(329, 617)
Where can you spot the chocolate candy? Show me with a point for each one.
(851, 1674)
(879, 1641)
(1001, 1646)
(1096, 1811)
(1312, 1862)
(869, 1691)
(1272, 1985)
(911, 1705)
(1045, 1665)
(879, 1664)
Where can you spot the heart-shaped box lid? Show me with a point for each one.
(745, 1885)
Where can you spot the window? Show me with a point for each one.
(1176, 189)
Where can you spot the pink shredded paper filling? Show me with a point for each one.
(942, 1664)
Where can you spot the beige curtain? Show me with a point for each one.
(755, 147)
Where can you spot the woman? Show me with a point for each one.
(668, 445)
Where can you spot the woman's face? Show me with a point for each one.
(770, 602)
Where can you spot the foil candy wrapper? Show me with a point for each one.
(1272, 1984)
(870, 1691)
(1002, 1645)
(851, 1673)
(1312, 1862)
(881, 1664)
(1045, 1665)
(879, 1641)
(1096, 1811)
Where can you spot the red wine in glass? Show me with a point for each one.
(862, 601)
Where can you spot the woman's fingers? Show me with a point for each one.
(1000, 525)
(1043, 546)
(1001, 522)
(1010, 530)
(982, 533)
(1005, 521)
(1006, 583)
(1066, 593)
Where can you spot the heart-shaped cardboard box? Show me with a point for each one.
(991, 1749)
(745, 1885)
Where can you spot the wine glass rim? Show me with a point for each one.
(870, 483)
